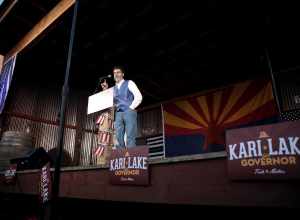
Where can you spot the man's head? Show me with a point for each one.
(118, 72)
(104, 84)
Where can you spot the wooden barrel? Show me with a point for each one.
(16, 138)
(14, 144)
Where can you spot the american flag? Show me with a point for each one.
(104, 138)
(100, 119)
(99, 151)
(111, 123)
(5, 80)
(290, 115)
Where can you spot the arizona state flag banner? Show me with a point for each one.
(197, 124)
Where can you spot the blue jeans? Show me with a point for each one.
(126, 122)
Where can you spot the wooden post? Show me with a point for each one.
(45, 22)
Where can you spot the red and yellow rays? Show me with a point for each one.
(210, 114)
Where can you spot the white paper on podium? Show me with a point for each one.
(100, 101)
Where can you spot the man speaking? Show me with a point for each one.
(127, 97)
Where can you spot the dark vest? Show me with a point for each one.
(122, 97)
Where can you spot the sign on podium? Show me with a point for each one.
(100, 101)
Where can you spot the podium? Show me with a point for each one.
(100, 101)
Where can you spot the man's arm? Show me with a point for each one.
(136, 94)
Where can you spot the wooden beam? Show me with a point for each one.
(7, 10)
(1, 62)
(45, 22)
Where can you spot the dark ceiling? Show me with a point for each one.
(169, 48)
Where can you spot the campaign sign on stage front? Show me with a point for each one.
(129, 166)
(264, 152)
